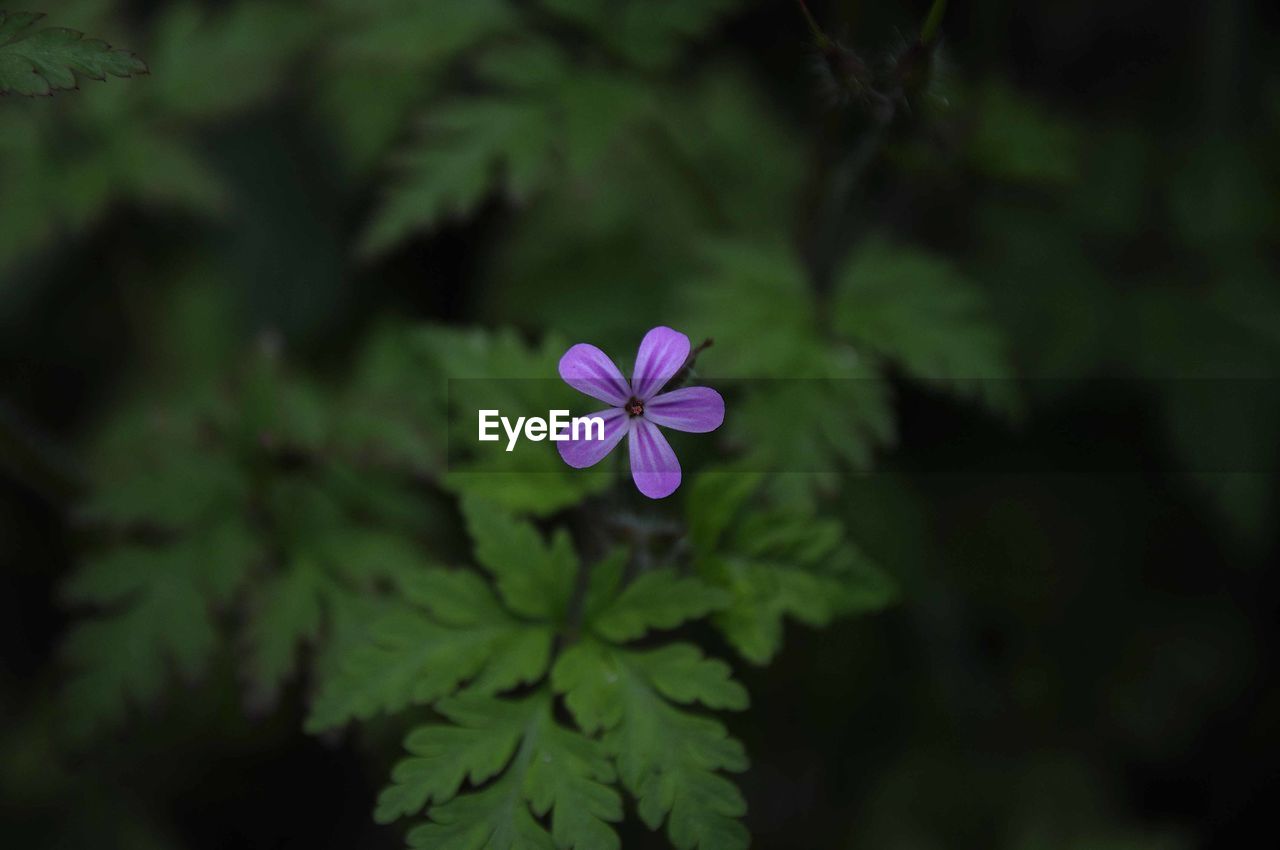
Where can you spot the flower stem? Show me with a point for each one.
(682, 374)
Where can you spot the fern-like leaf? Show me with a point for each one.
(549, 770)
(669, 758)
(157, 612)
(917, 310)
(39, 61)
(534, 578)
(775, 564)
(754, 299)
(648, 32)
(454, 632)
(544, 119)
(660, 599)
(499, 371)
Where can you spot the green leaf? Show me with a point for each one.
(41, 61)
(283, 613)
(535, 578)
(444, 757)
(554, 120)
(251, 46)
(714, 499)
(776, 564)
(660, 188)
(158, 611)
(488, 370)
(466, 150)
(388, 415)
(917, 310)
(650, 33)
(404, 35)
(181, 480)
(454, 632)
(668, 758)
(755, 301)
(656, 600)
(550, 770)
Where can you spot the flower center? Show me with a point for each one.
(635, 407)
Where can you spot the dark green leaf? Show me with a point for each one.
(40, 61)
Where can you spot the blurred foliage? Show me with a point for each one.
(253, 289)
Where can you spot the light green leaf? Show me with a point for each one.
(44, 60)
(446, 756)
(668, 758)
(776, 564)
(535, 578)
(550, 770)
(656, 600)
(456, 633)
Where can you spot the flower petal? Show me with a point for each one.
(585, 451)
(662, 353)
(654, 466)
(695, 409)
(588, 369)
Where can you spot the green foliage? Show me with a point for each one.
(41, 61)
(63, 167)
(1015, 139)
(212, 487)
(462, 647)
(290, 505)
(546, 770)
(655, 600)
(497, 371)
(778, 346)
(668, 758)
(916, 310)
(456, 630)
(775, 563)
(472, 141)
(534, 127)
(159, 611)
(651, 34)
(402, 49)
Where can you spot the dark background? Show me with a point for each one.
(1085, 651)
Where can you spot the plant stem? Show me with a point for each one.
(682, 374)
(820, 38)
(929, 31)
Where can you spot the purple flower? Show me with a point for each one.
(637, 410)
